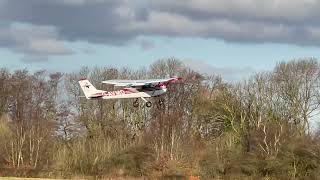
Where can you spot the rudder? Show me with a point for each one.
(88, 89)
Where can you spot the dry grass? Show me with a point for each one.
(77, 178)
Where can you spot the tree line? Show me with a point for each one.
(263, 126)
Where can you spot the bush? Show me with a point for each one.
(136, 161)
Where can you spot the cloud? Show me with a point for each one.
(36, 42)
(96, 21)
(229, 74)
(119, 22)
(283, 11)
(248, 21)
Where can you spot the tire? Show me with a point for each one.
(161, 101)
(161, 104)
(148, 104)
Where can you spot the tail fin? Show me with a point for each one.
(89, 90)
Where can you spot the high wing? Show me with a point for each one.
(135, 83)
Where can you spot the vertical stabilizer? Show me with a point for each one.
(88, 89)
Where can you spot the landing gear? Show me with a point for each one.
(148, 104)
(136, 103)
(160, 104)
(161, 101)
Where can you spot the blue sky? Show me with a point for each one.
(232, 36)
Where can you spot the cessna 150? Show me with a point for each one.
(130, 89)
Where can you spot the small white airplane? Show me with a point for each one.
(131, 89)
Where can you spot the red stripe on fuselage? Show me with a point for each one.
(115, 93)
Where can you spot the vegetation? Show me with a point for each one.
(262, 127)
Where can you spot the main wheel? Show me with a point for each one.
(161, 101)
(135, 103)
(161, 104)
(148, 104)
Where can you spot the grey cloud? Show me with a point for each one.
(228, 29)
(118, 22)
(32, 41)
(283, 11)
(93, 21)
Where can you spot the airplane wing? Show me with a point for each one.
(135, 83)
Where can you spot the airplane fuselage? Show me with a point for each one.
(123, 94)
(132, 93)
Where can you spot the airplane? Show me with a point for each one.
(131, 89)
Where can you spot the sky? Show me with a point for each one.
(232, 37)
